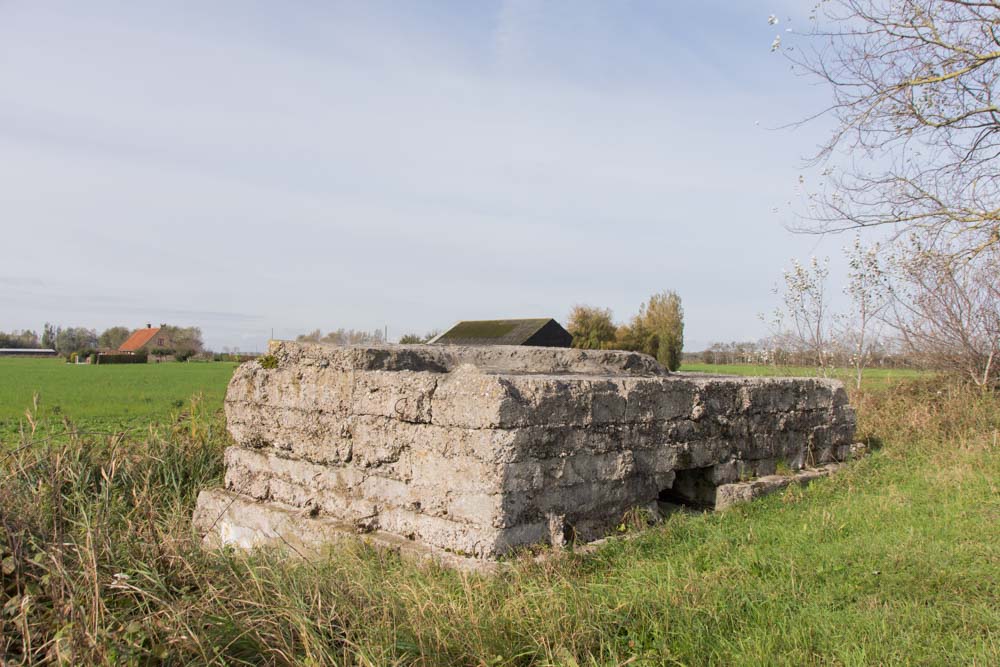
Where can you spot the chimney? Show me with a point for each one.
(148, 325)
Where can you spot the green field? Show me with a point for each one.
(106, 398)
(894, 560)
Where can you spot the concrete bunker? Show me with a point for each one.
(478, 451)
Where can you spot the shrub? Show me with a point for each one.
(137, 358)
(592, 328)
(658, 330)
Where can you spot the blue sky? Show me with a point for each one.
(248, 166)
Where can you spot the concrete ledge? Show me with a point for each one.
(447, 358)
(225, 518)
(728, 495)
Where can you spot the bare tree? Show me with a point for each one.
(869, 290)
(313, 336)
(803, 321)
(947, 310)
(342, 337)
(913, 86)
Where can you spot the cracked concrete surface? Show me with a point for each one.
(477, 451)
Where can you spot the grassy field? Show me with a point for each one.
(104, 398)
(895, 560)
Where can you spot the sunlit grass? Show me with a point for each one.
(893, 560)
(104, 397)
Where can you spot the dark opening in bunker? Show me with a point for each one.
(691, 488)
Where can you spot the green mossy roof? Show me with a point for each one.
(493, 332)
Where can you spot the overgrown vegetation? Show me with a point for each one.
(25, 339)
(892, 560)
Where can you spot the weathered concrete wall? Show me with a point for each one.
(481, 450)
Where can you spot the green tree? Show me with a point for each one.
(592, 328)
(49, 333)
(184, 341)
(664, 317)
(658, 330)
(75, 339)
(636, 337)
(113, 337)
(22, 339)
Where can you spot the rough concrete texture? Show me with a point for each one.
(728, 495)
(480, 450)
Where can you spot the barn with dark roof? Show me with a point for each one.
(541, 332)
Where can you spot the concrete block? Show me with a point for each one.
(481, 450)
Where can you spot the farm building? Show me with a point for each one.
(143, 339)
(542, 332)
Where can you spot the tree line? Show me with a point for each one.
(657, 329)
(179, 342)
(917, 308)
(342, 337)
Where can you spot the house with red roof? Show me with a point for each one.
(143, 340)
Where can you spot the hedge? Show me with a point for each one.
(138, 358)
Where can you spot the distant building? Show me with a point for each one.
(143, 339)
(26, 352)
(543, 332)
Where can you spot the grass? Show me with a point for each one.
(111, 397)
(894, 560)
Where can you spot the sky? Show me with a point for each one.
(251, 168)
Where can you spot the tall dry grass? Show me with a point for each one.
(100, 566)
